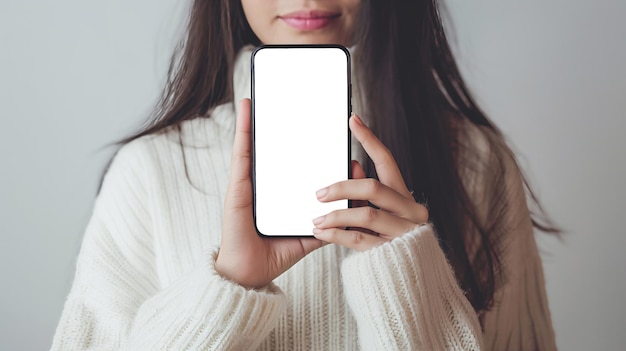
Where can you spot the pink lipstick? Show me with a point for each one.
(309, 20)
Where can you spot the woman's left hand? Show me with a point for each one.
(397, 211)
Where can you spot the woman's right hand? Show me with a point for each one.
(245, 257)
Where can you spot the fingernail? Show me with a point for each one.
(316, 230)
(358, 120)
(321, 193)
(319, 220)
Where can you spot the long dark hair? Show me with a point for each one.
(413, 95)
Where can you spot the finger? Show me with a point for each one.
(241, 157)
(379, 221)
(358, 173)
(288, 251)
(239, 192)
(377, 193)
(386, 167)
(311, 244)
(357, 170)
(352, 239)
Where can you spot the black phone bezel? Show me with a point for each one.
(252, 126)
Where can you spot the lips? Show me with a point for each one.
(309, 20)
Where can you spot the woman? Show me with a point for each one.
(170, 258)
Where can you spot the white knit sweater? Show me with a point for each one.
(145, 277)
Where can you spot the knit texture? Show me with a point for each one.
(404, 296)
(145, 277)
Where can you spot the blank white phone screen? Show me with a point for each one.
(300, 110)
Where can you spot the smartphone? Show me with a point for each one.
(301, 103)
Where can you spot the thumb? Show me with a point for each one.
(240, 186)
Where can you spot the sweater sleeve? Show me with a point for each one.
(117, 301)
(520, 317)
(404, 296)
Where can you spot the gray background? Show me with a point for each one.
(75, 75)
